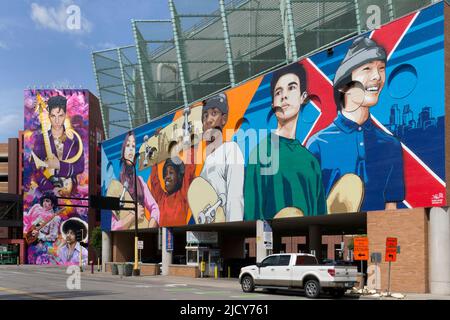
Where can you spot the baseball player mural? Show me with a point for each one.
(345, 130)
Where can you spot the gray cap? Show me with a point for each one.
(362, 51)
(218, 101)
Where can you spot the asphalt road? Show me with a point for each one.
(50, 283)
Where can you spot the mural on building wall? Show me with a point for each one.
(356, 128)
(56, 146)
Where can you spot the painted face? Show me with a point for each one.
(213, 118)
(47, 204)
(71, 237)
(287, 97)
(171, 179)
(130, 149)
(57, 117)
(372, 75)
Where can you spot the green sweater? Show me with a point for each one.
(296, 183)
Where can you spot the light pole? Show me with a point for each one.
(136, 271)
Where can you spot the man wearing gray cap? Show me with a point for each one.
(224, 164)
(353, 144)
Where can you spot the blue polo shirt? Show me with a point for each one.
(365, 150)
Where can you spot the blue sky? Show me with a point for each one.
(37, 48)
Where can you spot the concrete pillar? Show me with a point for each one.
(439, 251)
(276, 243)
(106, 248)
(166, 255)
(261, 251)
(315, 241)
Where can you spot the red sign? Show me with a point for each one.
(361, 248)
(391, 250)
(391, 242)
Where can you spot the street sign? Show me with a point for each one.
(169, 239)
(375, 257)
(391, 242)
(391, 250)
(361, 248)
(267, 235)
(140, 244)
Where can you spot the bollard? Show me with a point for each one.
(229, 272)
(92, 267)
(98, 264)
(202, 268)
(215, 271)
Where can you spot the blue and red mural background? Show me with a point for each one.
(397, 153)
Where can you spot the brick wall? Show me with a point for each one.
(122, 246)
(149, 269)
(410, 272)
(184, 271)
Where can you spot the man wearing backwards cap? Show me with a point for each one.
(353, 143)
(224, 163)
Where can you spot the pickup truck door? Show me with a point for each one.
(282, 274)
(267, 271)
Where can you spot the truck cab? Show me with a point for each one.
(298, 271)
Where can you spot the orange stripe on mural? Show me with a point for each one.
(239, 99)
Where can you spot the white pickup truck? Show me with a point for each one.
(298, 271)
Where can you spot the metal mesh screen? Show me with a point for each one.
(159, 67)
(131, 82)
(111, 90)
(256, 35)
(320, 23)
(402, 7)
(202, 47)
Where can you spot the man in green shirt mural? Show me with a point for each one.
(283, 179)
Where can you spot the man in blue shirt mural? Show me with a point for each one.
(353, 144)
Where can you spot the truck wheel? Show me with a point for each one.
(312, 288)
(247, 284)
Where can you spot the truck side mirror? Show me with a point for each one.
(259, 264)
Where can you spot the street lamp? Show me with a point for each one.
(136, 271)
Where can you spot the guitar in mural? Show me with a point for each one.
(118, 190)
(346, 195)
(30, 238)
(158, 147)
(62, 185)
(205, 204)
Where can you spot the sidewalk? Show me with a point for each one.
(233, 283)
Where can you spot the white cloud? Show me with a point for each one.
(61, 19)
(97, 47)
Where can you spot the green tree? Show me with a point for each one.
(96, 240)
